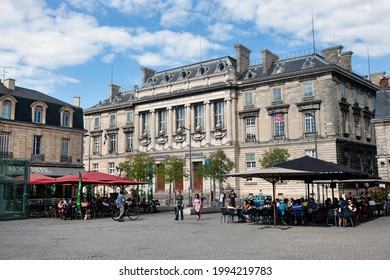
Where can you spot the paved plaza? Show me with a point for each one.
(159, 236)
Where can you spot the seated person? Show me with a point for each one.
(237, 213)
(298, 211)
(266, 203)
(282, 210)
(312, 209)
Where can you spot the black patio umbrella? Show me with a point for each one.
(274, 175)
(325, 170)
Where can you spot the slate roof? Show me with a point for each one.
(286, 66)
(121, 98)
(218, 65)
(26, 97)
(382, 110)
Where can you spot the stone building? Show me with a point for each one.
(382, 129)
(42, 129)
(311, 104)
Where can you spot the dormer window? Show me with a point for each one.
(308, 63)
(278, 69)
(220, 67)
(151, 81)
(202, 71)
(167, 78)
(38, 110)
(38, 114)
(250, 74)
(184, 74)
(66, 113)
(7, 107)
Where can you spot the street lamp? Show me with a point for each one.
(190, 187)
(313, 115)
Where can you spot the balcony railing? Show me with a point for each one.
(6, 155)
(66, 159)
(37, 157)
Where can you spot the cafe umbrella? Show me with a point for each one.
(274, 175)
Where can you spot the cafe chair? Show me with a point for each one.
(225, 214)
(347, 215)
(331, 215)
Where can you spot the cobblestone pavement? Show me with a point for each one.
(159, 236)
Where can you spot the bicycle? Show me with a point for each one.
(169, 202)
(132, 212)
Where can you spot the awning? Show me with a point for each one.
(55, 171)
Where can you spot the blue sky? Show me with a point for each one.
(70, 48)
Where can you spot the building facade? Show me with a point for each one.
(41, 129)
(310, 104)
(382, 129)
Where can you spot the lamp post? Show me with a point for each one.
(190, 187)
(313, 115)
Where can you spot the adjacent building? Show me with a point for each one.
(382, 128)
(310, 103)
(39, 128)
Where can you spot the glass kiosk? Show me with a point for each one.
(13, 191)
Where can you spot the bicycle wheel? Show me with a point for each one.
(133, 213)
(115, 214)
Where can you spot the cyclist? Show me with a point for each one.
(121, 203)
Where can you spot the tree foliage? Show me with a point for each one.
(274, 156)
(138, 166)
(218, 166)
(173, 168)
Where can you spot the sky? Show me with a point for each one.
(79, 47)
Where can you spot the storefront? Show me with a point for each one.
(13, 191)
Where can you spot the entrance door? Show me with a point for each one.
(160, 181)
(198, 181)
(178, 186)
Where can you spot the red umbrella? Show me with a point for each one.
(95, 177)
(37, 179)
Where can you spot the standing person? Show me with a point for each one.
(198, 205)
(233, 197)
(179, 205)
(222, 198)
(121, 204)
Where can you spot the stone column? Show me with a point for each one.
(228, 120)
(170, 127)
(208, 117)
(137, 128)
(153, 130)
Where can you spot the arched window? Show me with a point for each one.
(38, 114)
(6, 110)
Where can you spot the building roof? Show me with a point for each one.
(382, 110)
(26, 97)
(284, 67)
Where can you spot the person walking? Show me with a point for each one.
(233, 197)
(197, 205)
(121, 204)
(179, 205)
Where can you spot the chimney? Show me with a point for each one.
(268, 58)
(333, 54)
(346, 60)
(146, 74)
(114, 90)
(377, 77)
(76, 101)
(384, 83)
(10, 84)
(242, 57)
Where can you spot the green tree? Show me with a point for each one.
(137, 167)
(173, 169)
(216, 166)
(274, 156)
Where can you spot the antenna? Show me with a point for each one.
(200, 47)
(112, 74)
(368, 62)
(5, 71)
(312, 28)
